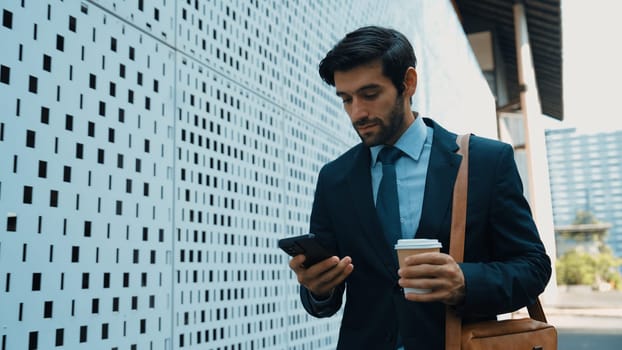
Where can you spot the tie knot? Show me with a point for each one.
(389, 155)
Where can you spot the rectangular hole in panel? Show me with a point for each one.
(53, 198)
(66, 173)
(33, 339)
(47, 63)
(60, 335)
(85, 280)
(45, 115)
(33, 84)
(95, 306)
(72, 23)
(48, 309)
(11, 222)
(43, 169)
(36, 281)
(75, 254)
(80, 152)
(7, 19)
(83, 334)
(87, 228)
(30, 138)
(60, 43)
(5, 74)
(68, 122)
(105, 331)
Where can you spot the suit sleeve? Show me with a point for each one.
(323, 229)
(515, 268)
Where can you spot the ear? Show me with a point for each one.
(410, 81)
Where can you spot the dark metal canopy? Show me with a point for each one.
(545, 36)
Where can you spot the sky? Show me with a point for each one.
(592, 65)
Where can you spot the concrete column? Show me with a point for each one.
(539, 193)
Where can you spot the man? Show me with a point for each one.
(505, 265)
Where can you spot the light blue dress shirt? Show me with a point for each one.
(411, 170)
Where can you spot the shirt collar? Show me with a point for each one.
(411, 142)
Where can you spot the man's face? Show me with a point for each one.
(377, 113)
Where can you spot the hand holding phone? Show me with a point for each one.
(307, 245)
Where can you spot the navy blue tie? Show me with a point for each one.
(387, 203)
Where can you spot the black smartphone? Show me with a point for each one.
(307, 245)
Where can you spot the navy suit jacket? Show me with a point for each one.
(505, 263)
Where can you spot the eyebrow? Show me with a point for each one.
(360, 90)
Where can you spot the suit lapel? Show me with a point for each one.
(442, 172)
(359, 186)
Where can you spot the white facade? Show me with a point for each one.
(152, 153)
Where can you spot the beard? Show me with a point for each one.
(388, 129)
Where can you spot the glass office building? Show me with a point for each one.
(152, 153)
(586, 175)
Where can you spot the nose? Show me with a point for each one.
(358, 110)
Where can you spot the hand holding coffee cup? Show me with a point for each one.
(408, 247)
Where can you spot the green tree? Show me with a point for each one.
(584, 218)
(607, 267)
(577, 267)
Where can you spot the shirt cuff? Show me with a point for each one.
(322, 307)
(322, 301)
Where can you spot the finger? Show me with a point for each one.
(450, 270)
(323, 265)
(449, 297)
(328, 276)
(331, 278)
(426, 297)
(341, 270)
(447, 287)
(295, 263)
(309, 276)
(425, 283)
(423, 271)
(428, 258)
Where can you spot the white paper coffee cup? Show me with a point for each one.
(408, 247)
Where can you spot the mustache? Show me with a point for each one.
(365, 121)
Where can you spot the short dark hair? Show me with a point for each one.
(368, 44)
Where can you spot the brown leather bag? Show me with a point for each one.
(531, 333)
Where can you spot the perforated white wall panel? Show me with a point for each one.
(151, 154)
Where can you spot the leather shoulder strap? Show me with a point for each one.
(459, 204)
(453, 323)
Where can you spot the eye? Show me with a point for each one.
(370, 96)
(346, 100)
